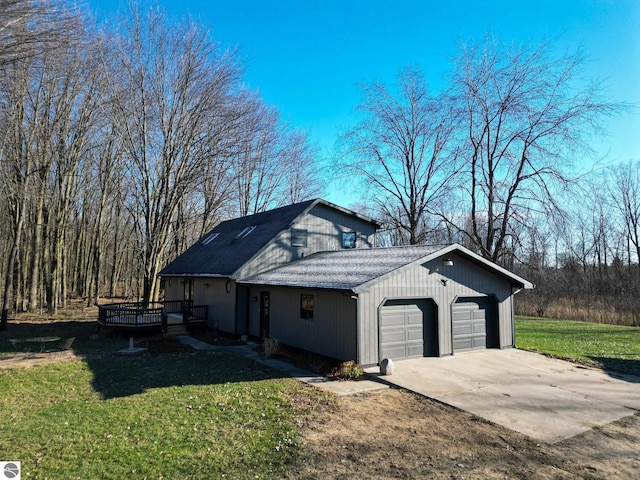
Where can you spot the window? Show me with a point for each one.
(348, 239)
(306, 306)
(245, 232)
(298, 237)
(210, 238)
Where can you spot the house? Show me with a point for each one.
(311, 276)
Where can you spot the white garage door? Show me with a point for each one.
(401, 330)
(469, 326)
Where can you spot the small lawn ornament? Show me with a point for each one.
(386, 366)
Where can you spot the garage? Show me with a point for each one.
(473, 324)
(408, 328)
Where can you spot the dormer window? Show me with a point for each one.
(298, 237)
(245, 232)
(210, 238)
(348, 239)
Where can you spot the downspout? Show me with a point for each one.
(357, 299)
(247, 312)
(513, 316)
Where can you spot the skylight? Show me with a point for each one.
(210, 238)
(247, 231)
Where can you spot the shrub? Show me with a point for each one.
(349, 370)
(271, 347)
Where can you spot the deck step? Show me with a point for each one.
(176, 330)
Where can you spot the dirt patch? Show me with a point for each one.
(18, 360)
(396, 434)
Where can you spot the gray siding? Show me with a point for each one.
(325, 227)
(173, 289)
(464, 279)
(207, 291)
(222, 305)
(332, 332)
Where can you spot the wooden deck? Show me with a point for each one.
(139, 315)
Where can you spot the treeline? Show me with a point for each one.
(499, 160)
(120, 145)
(585, 263)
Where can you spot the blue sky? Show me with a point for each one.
(306, 57)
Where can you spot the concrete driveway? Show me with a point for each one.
(544, 398)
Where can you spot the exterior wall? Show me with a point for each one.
(211, 292)
(463, 279)
(222, 304)
(332, 332)
(324, 226)
(173, 289)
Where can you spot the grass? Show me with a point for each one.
(611, 347)
(193, 415)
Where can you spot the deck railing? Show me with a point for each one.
(140, 314)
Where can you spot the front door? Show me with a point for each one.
(188, 290)
(264, 314)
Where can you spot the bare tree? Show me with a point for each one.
(524, 118)
(400, 149)
(173, 104)
(274, 164)
(302, 176)
(29, 28)
(40, 116)
(258, 164)
(625, 192)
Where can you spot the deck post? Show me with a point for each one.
(164, 316)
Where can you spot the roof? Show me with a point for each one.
(349, 269)
(223, 250)
(343, 269)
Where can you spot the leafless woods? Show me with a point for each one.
(122, 144)
(496, 161)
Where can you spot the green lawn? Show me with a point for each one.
(611, 347)
(193, 415)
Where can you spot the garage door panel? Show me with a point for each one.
(415, 335)
(395, 352)
(393, 319)
(469, 328)
(479, 342)
(401, 334)
(465, 329)
(408, 328)
(414, 350)
(393, 336)
(461, 314)
(460, 344)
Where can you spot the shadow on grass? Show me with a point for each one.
(82, 329)
(616, 366)
(167, 362)
(119, 376)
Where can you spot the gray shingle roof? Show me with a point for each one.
(225, 253)
(343, 269)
